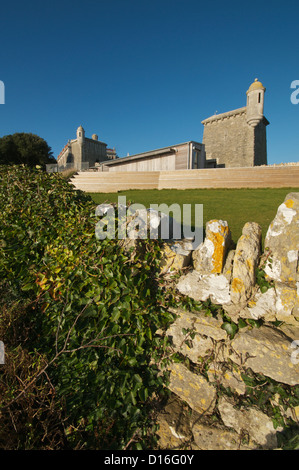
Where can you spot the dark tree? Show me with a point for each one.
(26, 148)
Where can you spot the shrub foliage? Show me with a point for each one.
(25, 148)
(81, 320)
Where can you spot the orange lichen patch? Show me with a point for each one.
(237, 285)
(218, 239)
(289, 203)
(218, 255)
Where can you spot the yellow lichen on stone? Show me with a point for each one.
(192, 388)
(210, 256)
(245, 260)
(287, 297)
(249, 264)
(289, 203)
(172, 261)
(237, 285)
(218, 240)
(296, 412)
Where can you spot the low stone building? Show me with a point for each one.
(185, 156)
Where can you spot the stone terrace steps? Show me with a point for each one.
(257, 177)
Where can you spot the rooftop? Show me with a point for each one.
(162, 151)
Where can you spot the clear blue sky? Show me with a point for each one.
(144, 74)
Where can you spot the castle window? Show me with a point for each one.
(259, 97)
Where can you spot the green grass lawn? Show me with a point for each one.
(236, 206)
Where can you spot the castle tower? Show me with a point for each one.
(81, 144)
(238, 138)
(255, 103)
(80, 134)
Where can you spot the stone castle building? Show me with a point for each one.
(238, 138)
(82, 152)
(233, 139)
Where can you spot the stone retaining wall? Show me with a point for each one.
(254, 334)
(251, 177)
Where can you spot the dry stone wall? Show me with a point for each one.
(227, 275)
(259, 339)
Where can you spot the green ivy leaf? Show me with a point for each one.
(230, 328)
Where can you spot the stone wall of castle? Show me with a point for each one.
(228, 138)
(75, 154)
(94, 151)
